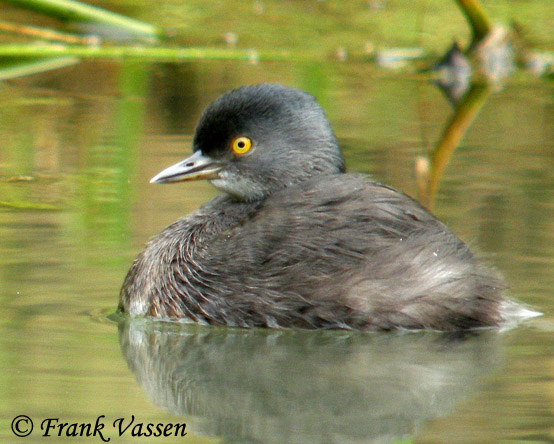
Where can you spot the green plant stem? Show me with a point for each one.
(12, 68)
(477, 18)
(138, 52)
(455, 129)
(43, 33)
(80, 12)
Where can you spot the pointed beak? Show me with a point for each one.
(195, 167)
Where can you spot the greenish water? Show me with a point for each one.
(77, 148)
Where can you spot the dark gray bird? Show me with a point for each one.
(295, 242)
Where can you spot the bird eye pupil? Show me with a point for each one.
(241, 144)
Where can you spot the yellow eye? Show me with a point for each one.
(241, 145)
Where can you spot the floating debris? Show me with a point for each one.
(494, 55)
(453, 73)
(230, 39)
(340, 54)
(395, 58)
(21, 179)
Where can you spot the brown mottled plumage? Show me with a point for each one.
(296, 242)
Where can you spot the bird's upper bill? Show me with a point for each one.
(196, 167)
